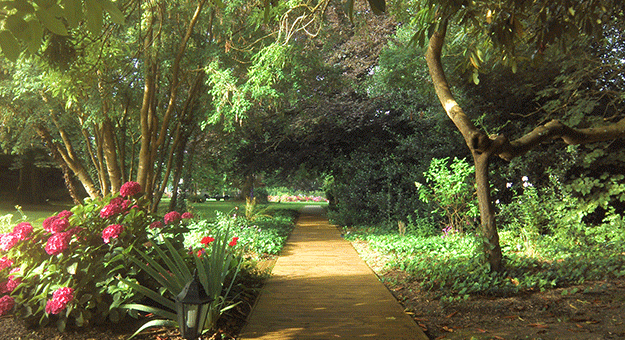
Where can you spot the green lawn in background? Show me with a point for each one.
(35, 214)
(209, 209)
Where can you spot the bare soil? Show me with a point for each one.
(596, 310)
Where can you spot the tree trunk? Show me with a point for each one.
(152, 135)
(71, 160)
(110, 155)
(480, 145)
(490, 241)
(69, 183)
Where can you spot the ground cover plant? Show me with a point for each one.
(561, 268)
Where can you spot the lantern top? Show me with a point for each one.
(193, 293)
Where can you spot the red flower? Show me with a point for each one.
(233, 242)
(5, 262)
(111, 231)
(156, 224)
(207, 240)
(8, 241)
(130, 189)
(187, 215)
(172, 217)
(6, 304)
(55, 224)
(200, 252)
(58, 242)
(22, 230)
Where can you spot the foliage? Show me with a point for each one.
(450, 187)
(85, 250)
(451, 266)
(263, 235)
(216, 264)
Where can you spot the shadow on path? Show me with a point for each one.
(321, 289)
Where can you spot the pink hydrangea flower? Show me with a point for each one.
(11, 283)
(172, 217)
(6, 304)
(130, 189)
(22, 230)
(54, 307)
(111, 231)
(65, 214)
(55, 224)
(5, 262)
(8, 241)
(63, 294)
(117, 201)
(57, 243)
(156, 225)
(187, 215)
(111, 209)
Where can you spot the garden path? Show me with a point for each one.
(321, 289)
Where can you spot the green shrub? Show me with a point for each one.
(263, 235)
(68, 269)
(450, 186)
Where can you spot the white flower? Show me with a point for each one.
(524, 179)
(509, 185)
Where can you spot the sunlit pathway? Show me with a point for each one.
(321, 289)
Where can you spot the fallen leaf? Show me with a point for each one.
(481, 330)
(452, 314)
(498, 337)
(510, 316)
(538, 325)
(448, 329)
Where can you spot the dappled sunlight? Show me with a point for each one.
(321, 289)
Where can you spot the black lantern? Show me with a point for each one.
(192, 306)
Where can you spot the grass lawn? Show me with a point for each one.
(35, 214)
(209, 209)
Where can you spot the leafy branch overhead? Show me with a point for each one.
(25, 22)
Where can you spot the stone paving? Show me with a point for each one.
(321, 289)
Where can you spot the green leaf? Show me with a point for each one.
(23, 6)
(115, 13)
(378, 6)
(94, 16)
(476, 77)
(18, 26)
(155, 323)
(149, 309)
(72, 12)
(151, 294)
(349, 8)
(50, 22)
(10, 46)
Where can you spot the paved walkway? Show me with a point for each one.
(321, 289)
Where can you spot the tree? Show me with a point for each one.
(120, 102)
(502, 26)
